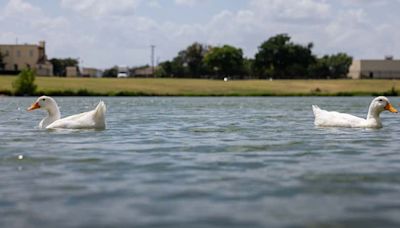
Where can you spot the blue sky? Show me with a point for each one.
(103, 33)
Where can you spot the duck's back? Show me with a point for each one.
(325, 118)
(94, 119)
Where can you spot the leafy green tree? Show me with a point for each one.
(175, 68)
(248, 65)
(188, 62)
(338, 64)
(279, 57)
(2, 63)
(111, 72)
(225, 61)
(180, 67)
(25, 83)
(332, 66)
(60, 65)
(193, 57)
(319, 69)
(165, 69)
(160, 73)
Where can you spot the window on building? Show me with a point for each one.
(16, 67)
(18, 53)
(31, 53)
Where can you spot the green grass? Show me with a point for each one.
(200, 87)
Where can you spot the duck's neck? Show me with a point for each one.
(373, 113)
(373, 116)
(53, 114)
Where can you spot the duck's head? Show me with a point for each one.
(43, 102)
(381, 104)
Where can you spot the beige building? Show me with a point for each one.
(91, 72)
(144, 72)
(72, 71)
(375, 69)
(21, 56)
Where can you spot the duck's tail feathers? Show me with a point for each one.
(101, 107)
(316, 109)
(100, 113)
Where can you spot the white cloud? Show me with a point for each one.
(117, 35)
(99, 8)
(29, 19)
(16, 8)
(31, 24)
(292, 9)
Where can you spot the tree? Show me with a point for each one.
(332, 66)
(281, 58)
(165, 69)
(338, 64)
(175, 68)
(188, 62)
(225, 61)
(25, 83)
(193, 58)
(319, 69)
(179, 67)
(111, 72)
(60, 65)
(2, 64)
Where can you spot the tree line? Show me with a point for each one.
(278, 57)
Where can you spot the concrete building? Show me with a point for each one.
(21, 56)
(375, 69)
(144, 72)
(72, 71)
(91, 72)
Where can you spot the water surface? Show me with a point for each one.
(199, 162)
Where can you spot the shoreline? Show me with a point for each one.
(173, 87)
(129, 94)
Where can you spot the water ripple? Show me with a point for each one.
(199, 162)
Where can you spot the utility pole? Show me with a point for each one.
(153, 47)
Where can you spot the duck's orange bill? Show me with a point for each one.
(390, 108)
(34, 106)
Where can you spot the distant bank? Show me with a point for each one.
(197, 87)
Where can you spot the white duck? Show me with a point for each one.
(325, 118)
(94, 119)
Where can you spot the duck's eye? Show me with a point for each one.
(43, 99)
(380, 100)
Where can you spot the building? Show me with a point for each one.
(91, 72)
(16, 57)
(144, 72)
(72, 71)
(387, 68)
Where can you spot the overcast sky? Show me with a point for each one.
(103, 33)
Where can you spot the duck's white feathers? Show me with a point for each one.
(86, 120)
(325, 118)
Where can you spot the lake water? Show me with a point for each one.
(199, 162)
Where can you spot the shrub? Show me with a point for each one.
(25, 83)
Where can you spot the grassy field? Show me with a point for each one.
(199, 87)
